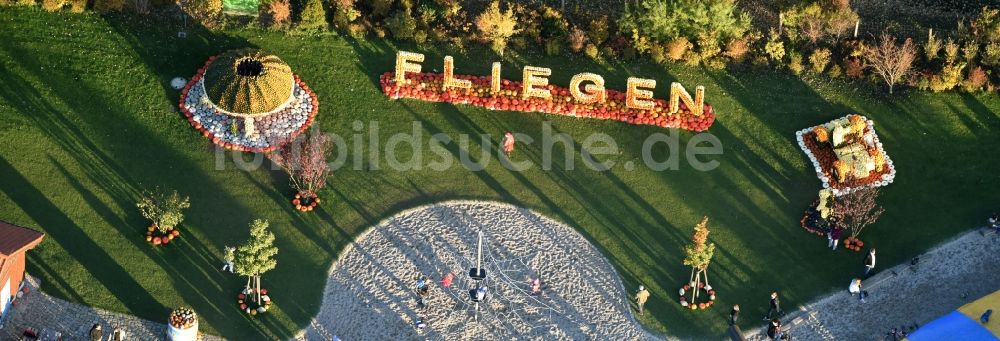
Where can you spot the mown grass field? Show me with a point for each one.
(87, 121)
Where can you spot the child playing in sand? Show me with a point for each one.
(536, 286)
(447, 280)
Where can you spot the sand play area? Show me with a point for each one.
(371, 292)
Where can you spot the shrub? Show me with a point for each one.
(949, 78)
(853, 68)
(691, 58)
(840, 21)
(313, 16)
(77, 6)
(553, 47)
(598, 30)
(380, 8)
(277, 13)
(976, 80)
(576, 40)
(950, 51)
(344, 16)
(206, 12)
(708, 45)
(736, 49)
(402, 25)
(970, 50)
(609, 52)
(553, 24)
(591, 51)
(932, 47)
(420, 36)
(677, 48)
(663, 20)
(835, 71)
(987, 24)
(819, 59)
(497, 26)
(795, 63)
(52, 5)
(658, 53)
(991, 54)
(775, 48)
(197, 9)
(640, 42)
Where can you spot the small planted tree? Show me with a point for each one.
(256, 257)
(698, 255)
(305, 162)
(165, 212)
(890, 60)
(856, 210)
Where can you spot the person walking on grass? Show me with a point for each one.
(228, 256)
(774, 306)
(508, 143)
(869, 262)
(734, 314)
(833, 236)
(640, 298)
(855, 288)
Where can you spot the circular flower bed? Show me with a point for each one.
(708, 292)
(157, 237)
(247, 304)
(228, 131)
(305, 201)
(427, 87)
(813, 222)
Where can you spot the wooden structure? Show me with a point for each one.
(14, 242)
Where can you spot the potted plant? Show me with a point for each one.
(305, 162)
(165, 212)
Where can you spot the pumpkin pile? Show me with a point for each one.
(427, 87)
(853, 243)
(305, 201)
(157, 237)
(695, 306)
(248, 305)
(833, 172)
(183, 318)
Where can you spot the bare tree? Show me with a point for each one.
(891, 61)
(857, 210)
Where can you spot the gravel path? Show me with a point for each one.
(946, 277)
(370, 292)
(41, 311)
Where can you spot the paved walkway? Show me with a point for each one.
(945, 278)
(39, 310)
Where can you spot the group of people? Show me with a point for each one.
(422, 288)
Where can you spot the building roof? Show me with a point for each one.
(15, 238)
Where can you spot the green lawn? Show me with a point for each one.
(86, 121)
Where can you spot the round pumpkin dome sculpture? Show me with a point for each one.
(248, 100)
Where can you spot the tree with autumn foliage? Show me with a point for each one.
(858, 209)
(698, 255)
(305, 162)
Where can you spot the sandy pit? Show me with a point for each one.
(370, 293)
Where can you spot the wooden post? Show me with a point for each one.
(781, 22)
(856, 25)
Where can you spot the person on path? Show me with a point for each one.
(480, 294)
(228, 256)
(994, 223)
(536, 286)
(855, 288)
(734, 314)
(447, 280)
(774, 307)
(96, 334)
(869, 262)
(774, 330)
(833, 237)
(508, 143)
(640, 297)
